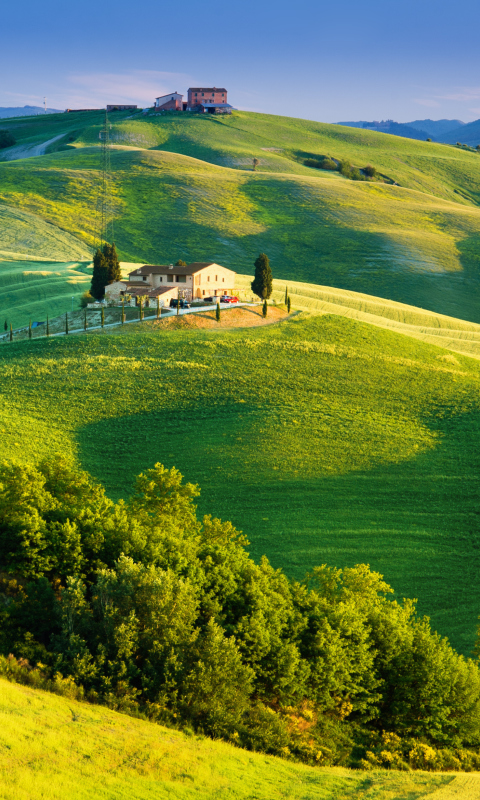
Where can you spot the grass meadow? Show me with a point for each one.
(183, 187)
(326, 440)
(52, 747)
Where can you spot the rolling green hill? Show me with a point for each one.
(183, 186)
(55, 747)
(324, 439)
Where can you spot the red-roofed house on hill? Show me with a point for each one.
(208, 99)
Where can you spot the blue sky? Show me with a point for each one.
(375, 59)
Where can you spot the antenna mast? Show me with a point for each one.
(104, 204)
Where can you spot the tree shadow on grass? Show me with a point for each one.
(416, 522)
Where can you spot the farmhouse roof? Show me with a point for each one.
(165, 269)
(216, 105)
(168, 95)
(206, 89)
(146, 289)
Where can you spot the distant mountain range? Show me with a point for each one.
(449, 131)
(26, 111)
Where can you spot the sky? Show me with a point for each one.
(336, 61)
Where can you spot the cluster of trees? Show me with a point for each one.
(344, 167)
(7, 139)
(106, 269)
(151, 610)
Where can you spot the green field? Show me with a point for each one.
(53, 747)
(324, 439)
(183, 187)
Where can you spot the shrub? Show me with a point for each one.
(6, 139)
(345, 168)
(321, 163)
(369, 171)
(86, 299)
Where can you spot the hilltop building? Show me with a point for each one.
(121, 108)
(201, 100)
(197, 280)
(170, 102)
(208, 99)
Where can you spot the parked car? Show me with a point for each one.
(182, 303)
(226, 298)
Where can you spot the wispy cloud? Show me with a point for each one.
(429, 103)
(139, 86)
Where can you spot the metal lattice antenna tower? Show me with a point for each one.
(104, 202)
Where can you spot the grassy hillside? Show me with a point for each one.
(324, 439)
(183, 186)
(33, 289)
(372, 238)
(54, 747)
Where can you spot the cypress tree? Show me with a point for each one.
(85, 321)
(178, 306)
(114, 272)
(141, 309)
(158, 306)
(217, 312)
(6, 325)
(11, 333)
(286, 295)
(262, 282)
(48, 327)
(264, 309)
(288, 304)
(29, 328)
(99, 276)
(66, 324)
(123, 311)
(103, 316)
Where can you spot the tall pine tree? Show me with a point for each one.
(99, 276)
(262, 282)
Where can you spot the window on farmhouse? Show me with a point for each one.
(216, 277)
(181, 278)
(208, 279)
(169, 278)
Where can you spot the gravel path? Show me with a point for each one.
(28, 151)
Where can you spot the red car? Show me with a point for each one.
(225, 298)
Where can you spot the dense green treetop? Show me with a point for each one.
(262, 283)
(99, 276)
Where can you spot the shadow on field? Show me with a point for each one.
(416, 522)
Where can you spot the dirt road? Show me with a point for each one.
(29, 150)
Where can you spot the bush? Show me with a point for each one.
(86, 299)
(345, 168)
(321, 163)
(6, 139)
(369, 171)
